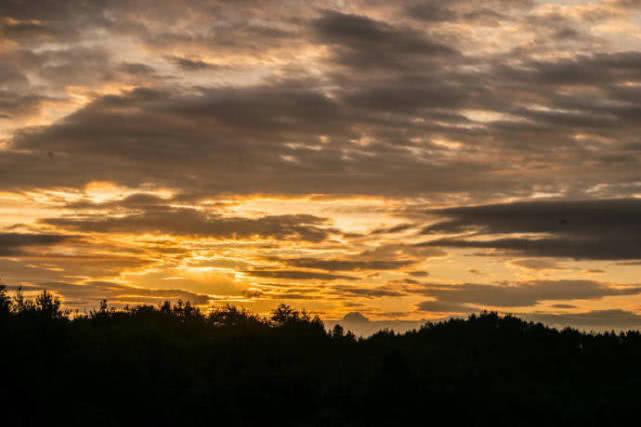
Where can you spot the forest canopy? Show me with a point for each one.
(174, 364)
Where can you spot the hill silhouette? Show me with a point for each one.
(173, 365)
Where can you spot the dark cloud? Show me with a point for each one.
(596, 229)
(74, 65)
(117, 294)
(293, 296)
(460, 11)
(420, 99)
(20, 24)
(191, 64)
(227, 139)
(382, 117)
(361, 42)
(17, 30)
(598, 68)
(16, 106)
(193, 222)
(632, 4)
(181, 138)
(432, 11)
(538, 264)
(133, 201)
(564, 306)
(297, 275)
(521, 295)
(347, 265)
(11, 76)
(395, 229)
(16, 99)
(444, 307)
(591, 320)
(13, 244)
(419, 273)
(136, 69)
(380, 292)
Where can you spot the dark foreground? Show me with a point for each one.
(174, 366)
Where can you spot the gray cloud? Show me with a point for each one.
(297, 275)
(358, 42)
(438, 11)
(445, 307)
(596, 229)
(192, 222)
(191, 64)
(521, 295)
(347, 265)
(174, 139)
(13, 244)
(381, 116)
(598, 68)
(419, 273)
(538, 264)
(91, 293)
(379, 292)
(597, 320)
(443, 100)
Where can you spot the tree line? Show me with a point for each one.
(175, 365)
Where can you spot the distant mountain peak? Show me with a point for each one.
(355, 317)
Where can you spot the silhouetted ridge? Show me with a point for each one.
(174, 365)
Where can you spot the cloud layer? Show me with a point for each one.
(595, 229)
(336, 155)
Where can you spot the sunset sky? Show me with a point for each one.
(407, 160)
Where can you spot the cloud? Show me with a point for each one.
(444, 307)
(84, 295)
(13, 244)
(564, 306)
(520, 295)
(191, 64)
(460, 11)
(598, 68)
(538, 264)
(173, 139)
(191, 222)
(419, 273)
(432, 11)
(358, 42)
(379, 292)
(297, 275)
(347, 265)
(419, 101)
(594, 229)
(591, 320)
(362, 122)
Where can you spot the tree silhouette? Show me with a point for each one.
(284, 314)
(173, 365)
(48, 306)
(5, 302)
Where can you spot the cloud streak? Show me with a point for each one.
(523, 294)
(595, 229)
(14, 244)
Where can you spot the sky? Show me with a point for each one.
(400, 161)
